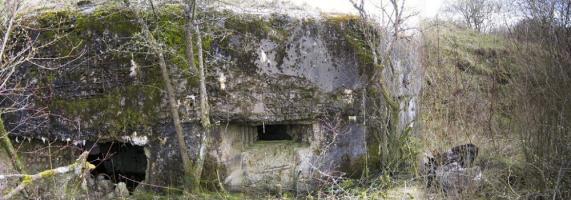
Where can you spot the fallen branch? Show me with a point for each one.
(78, 167)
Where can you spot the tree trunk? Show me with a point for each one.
(198, 165)
(5, 140)
(6, 38)
(389, 149)
(204, 112)
(9, 148)
(156, 47)
(204, 108)
(188, 34)
(11, 15)
(187, 165)
(7, 144)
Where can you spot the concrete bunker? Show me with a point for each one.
(118, 162)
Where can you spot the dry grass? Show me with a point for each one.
(506, 97)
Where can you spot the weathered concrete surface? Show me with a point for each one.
(270, 69)
(405, 78)
(287, 165)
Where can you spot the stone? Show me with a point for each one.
(453, 170)
(96, 194)
(90, 182)
(455, 179)
(462, 154)
(102, 184)
(121, 190)
(110, 195)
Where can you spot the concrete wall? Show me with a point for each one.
(262, 69)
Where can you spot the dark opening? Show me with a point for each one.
(273, 132)
(120, 162)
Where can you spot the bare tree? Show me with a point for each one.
(547, 21)
(204, 111)
(383, 37)
(475, 13)
(541, 87)
(553, 12)
(157, 47)
(189, 8)
(192, 170)
(375, 47)
(192, 24)
(8, 65)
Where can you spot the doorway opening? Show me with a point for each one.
(119, 162)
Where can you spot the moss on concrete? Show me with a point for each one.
(121, 110)
(118, 109)
(251, 29)
(351, 39)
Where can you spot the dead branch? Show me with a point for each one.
(79, 168)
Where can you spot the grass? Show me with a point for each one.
(491, 90)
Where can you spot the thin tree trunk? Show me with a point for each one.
(12, 10)
(6, 38)
(204, 112)
(189, 9)
(9, 148)
(388, 147)
(156, 47)
(11, 18)
(198, 165)
(187, 165)
(384, 57)
(7, 144)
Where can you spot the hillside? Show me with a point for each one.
(500, 94)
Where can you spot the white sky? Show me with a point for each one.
(427, 8)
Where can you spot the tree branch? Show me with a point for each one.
(79, 167)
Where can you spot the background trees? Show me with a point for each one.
(476, 14)
(543, 52)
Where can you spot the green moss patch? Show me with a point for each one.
(351, 39)
(118, 111)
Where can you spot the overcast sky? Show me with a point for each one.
(427, 8)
